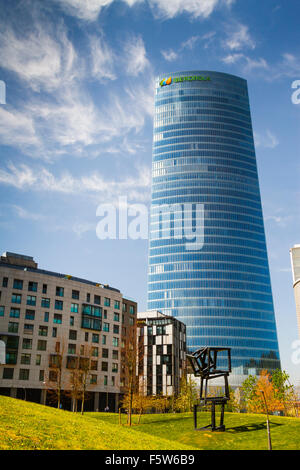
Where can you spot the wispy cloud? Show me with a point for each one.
(266, 140)
(89, 10)
(23, 177)
(239, 38)
(103, 59)
(135, 56)
(189, 44)
(43, 58)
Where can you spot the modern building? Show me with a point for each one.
(44, 314)
(162, 345)
(295, 260)
(208, 263)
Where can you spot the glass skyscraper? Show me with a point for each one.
(208, 263)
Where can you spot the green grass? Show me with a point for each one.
(25, 425)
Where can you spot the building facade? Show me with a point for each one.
(208, 263)
(162, 347)
(45, 315)
(295, 261)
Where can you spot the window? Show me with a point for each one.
(59, 305)
(13, 327)
(18, 284)
(95, 338)
(115, 354)
(88, 297)
(54, 332)
(105, 314)
(41, 345)
(94, 365)
(71, 321)
(32, 286)
(38, 360)
(27, 343)
(105, 353)
(106, 327)
(57, 318)
(2, 310)
(14, 313)
(31, 300)
(117, 304)
(25, 359)
(41, 376)
(16, 298)
(114, 367)
(28, 329)
(59, 291)
(115, 342)
(43, 330)
(116, 329)
(131, 321)
(95, 352)
(24, 374)
(8, 373)
(72, 349)
(75, 294)
(74, 308)
(5, 282)
(46, 317)
(29, 315)
(97, 299)
(105, 380)
(113, 380)
(106, 302)
(104, 339)
(93, 379)
(73, 335)
(45, 302)
(104, 366)
(86, 336)
(124, 307)
(116, 316)
(131, 309)
(44, 288)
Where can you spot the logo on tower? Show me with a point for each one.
(166, 81)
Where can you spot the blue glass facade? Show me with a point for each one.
(204, 157)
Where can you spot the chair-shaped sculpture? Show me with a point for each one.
(204, 363)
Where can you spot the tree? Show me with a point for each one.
(54, 380)
(284, 391)
(131, 356)
(187, 396)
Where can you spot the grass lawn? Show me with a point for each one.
(25, 425)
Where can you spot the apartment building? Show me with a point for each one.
(162, 345)
(44, 314)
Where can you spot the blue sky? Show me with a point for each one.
(76, 129)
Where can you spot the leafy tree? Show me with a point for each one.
(188, 394)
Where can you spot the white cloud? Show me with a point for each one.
(266, 140)
(135, 56)
(89, 10)
(44, 58)
(196, 8)
(17, 128)
(24, 177)
(169, 55)
(239, 39)
(103, 59)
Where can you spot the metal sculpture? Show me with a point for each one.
(204, 363)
